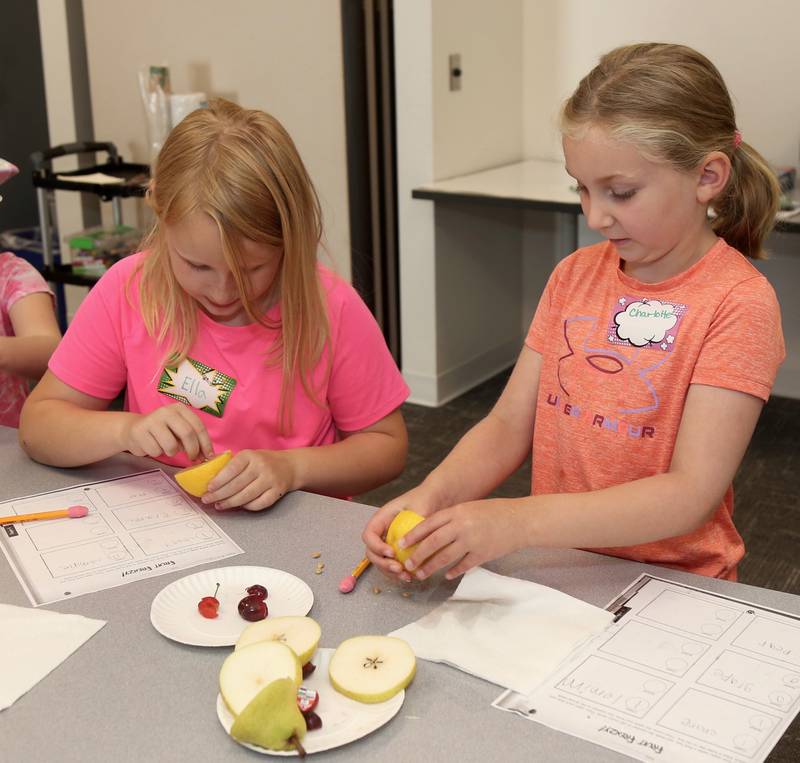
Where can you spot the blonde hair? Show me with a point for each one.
(672, 103)
(240, 167)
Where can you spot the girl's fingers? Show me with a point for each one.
(423, 531)
(148, 443)
(465, 565)
(231, 480)
(450, 554)
(251, 491)
(192, 433)
(264, 501)
(166, 439)
(389, 567)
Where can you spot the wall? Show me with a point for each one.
(282, 57)
(459, 272)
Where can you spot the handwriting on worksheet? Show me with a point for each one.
(137, 527)
(681, 675)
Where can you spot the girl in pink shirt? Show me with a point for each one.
(650, 356)
(28, 329)
(227, 334)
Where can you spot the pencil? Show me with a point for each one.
(349, 583)
(74, 512)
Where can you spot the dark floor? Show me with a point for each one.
(767, 487)
(767, 490)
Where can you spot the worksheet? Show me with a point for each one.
(680, 675)
(137, 527)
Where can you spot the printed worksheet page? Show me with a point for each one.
(681, 675)
(137, 527)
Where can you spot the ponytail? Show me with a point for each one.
(746, 209)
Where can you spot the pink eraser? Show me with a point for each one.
(77, 511)
(347, 584)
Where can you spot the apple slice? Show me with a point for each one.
(372, 668)
(300, 634)
(247, 671)
(195, 479)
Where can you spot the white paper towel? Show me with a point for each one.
(511, 632)
(33, 642)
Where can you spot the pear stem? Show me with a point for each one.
(295, 740)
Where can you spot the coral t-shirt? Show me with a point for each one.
(225, 378)
(18, 279)
(618, 357)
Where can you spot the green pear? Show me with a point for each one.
(272, 719)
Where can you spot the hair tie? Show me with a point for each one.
(737, 139)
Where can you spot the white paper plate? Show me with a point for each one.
(343, 719)
(174, 610)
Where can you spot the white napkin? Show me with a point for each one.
(510, 632)
(33, 642)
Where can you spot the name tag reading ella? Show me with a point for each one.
(197, 385)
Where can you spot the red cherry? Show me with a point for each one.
(208, 606)
(252, 608)
(308, 669)
(257, 590)
(313, 721)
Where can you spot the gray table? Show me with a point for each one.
(129, 694)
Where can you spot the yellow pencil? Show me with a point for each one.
(74, 512)
(349, 583)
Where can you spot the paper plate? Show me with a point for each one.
(343, 719)
(174, 614)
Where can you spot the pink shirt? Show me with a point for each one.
(226, 381)
(18, 279)
(618, 358)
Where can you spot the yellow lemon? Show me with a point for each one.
(402, 524)
(195, 479)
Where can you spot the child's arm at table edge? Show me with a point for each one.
(715, 430)
(488, 453)
(360, 461)
(61, 426)
(36, 335)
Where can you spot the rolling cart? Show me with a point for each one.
(134, 179)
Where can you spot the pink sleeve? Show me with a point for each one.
(19, 280)
(90, 357)
(744, 344)
(365, 384)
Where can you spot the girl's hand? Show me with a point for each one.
(380, 553)
(166, 431)
(463, 536)
(252, 480)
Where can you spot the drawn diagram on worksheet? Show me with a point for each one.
(137, 527)
(680, 675)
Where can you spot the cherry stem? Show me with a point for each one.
(301, 751)
(215, 591)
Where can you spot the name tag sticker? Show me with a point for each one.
(197, 385)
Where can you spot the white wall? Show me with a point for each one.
(752, 44)
(459, 286)
(285, 58)
(480, 125)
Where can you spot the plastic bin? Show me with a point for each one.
(27, 243)
(95, 250)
